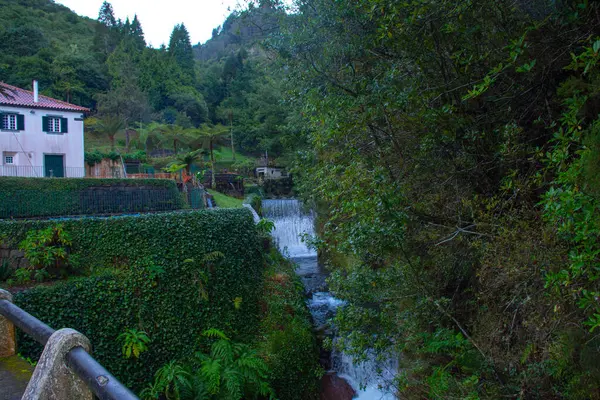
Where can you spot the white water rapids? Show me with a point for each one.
(292, 224)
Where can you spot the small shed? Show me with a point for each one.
(268, 173)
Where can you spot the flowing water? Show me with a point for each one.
(292, 225)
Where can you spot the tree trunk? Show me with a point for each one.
(213, 183)
(231, 128)
(127, 139)
(112, 142)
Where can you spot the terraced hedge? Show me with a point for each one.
(153, 284)
(43, 197)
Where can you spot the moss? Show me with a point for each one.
(20, 371)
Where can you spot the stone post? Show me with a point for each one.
(7, 331)
(52, 378)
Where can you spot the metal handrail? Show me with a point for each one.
(101, 382)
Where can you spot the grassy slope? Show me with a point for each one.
(224, 201)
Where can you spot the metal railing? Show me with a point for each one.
(101, 382)
(28, 171)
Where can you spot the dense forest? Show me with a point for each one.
(452, 150)
(449, 147)
(106, 65)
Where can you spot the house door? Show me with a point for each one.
(54, 166)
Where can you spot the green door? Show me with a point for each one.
(54, 166)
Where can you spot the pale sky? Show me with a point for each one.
(158, 17)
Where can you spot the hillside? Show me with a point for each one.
(241, 30)
(42, 40)
(106, 66)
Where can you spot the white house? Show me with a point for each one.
(39, 136)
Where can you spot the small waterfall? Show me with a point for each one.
(292, 224)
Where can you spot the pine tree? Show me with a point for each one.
(126, 26)
(180, 48)
(107, 15)
(107, 34)
(137, 34)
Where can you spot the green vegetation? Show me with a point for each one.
(284, 358)
(144, 285)
(105, 65)
(287, 341)
(47, 251)
(451, 150)
(255, 200)
(41, 197)
(224, 201)
(134, 342)
(228, 370)
(165, 282)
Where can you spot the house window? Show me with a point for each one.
(9, 160)
(9, 122)
(55, 125)
(12, 122)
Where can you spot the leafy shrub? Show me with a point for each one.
(93, 158)
(255, 200)
(22, 276)
(228, 370)
(134, 342)
(278, 187)
(265, 226)
(139, 155)
(40, 197)
(5, 269)
(288, 343)
(47, 249)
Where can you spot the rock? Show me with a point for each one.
(16, 254)
(335, 388)
(24, 263)
(325, 359)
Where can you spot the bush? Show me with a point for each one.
(278, 187)
(42, 197)
(161, 283)
(288, 344)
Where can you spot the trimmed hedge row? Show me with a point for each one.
(43, 197)
(156, 287)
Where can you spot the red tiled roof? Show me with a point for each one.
(18, 97)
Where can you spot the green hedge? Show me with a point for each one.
(169, 305)
(43, 197)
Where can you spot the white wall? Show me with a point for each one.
(33, 141)
(270, 173)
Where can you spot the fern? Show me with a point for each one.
(134, 342)
(211, 372)
(214, 333)
(212, 257)
(171, 381)
(229, 371)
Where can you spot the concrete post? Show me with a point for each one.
(8, 342)
(52, 378)
(254, 213)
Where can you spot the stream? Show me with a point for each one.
(291, 223)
